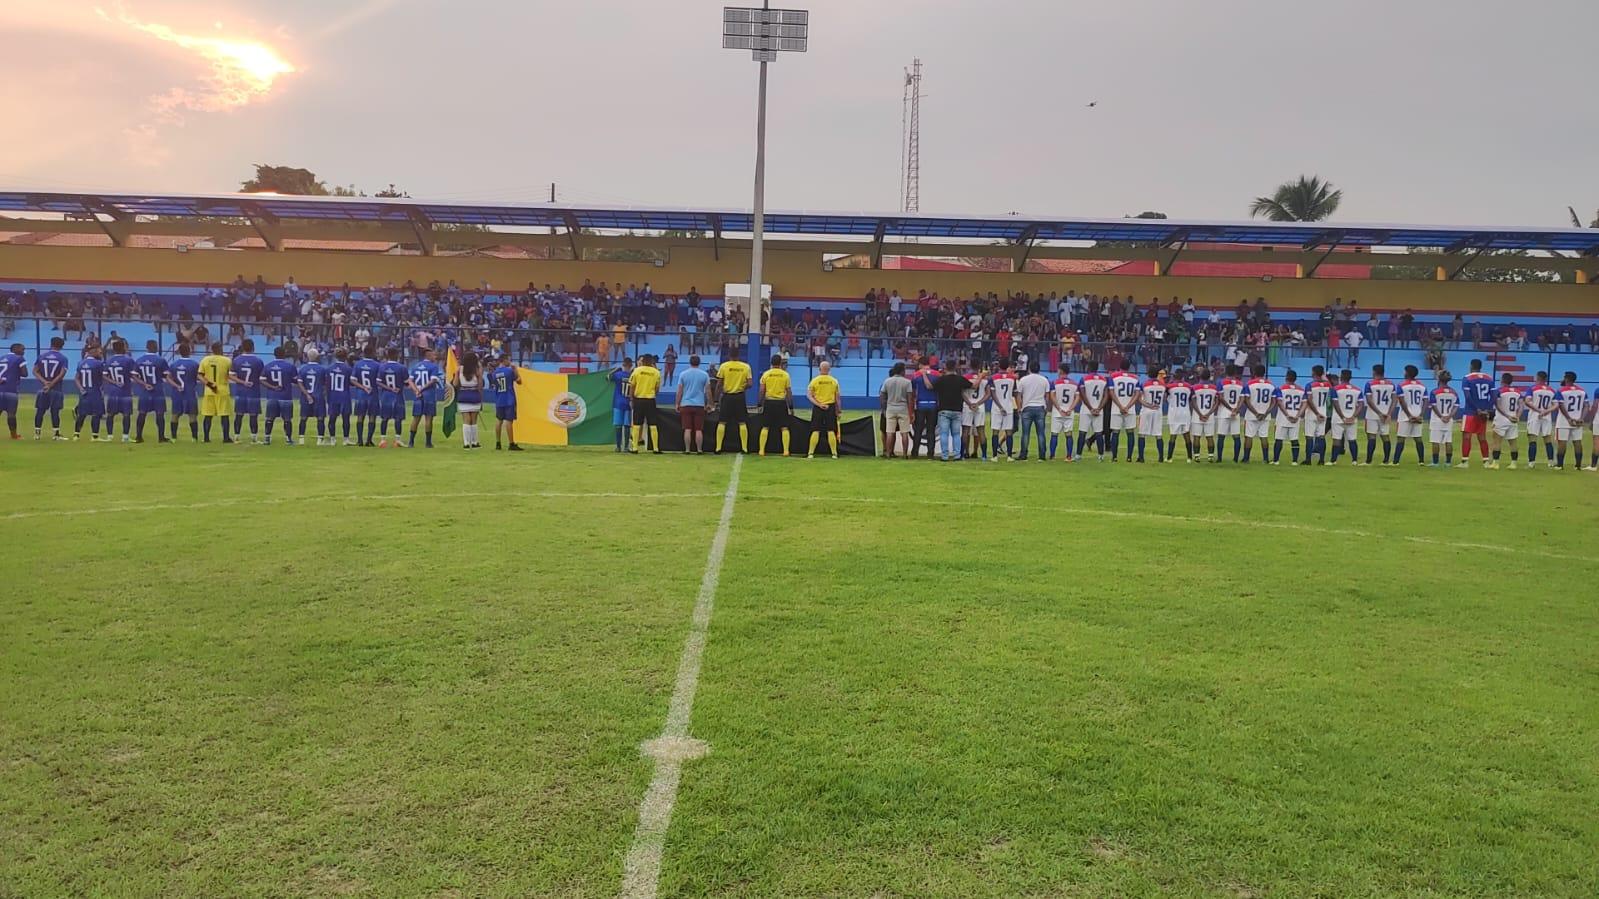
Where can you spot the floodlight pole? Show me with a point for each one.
(760, 217)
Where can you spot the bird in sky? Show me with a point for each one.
(1093, 104)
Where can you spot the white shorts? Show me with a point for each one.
(1062, 423)
(1540, 425)
(1288, 430)
(1090, 422)
(1315, 425)
(1379, 427)
(1179, 424)
(1408, 429)
(1122, 421)
(1149, 423)
(973, 418)
(1506, 428)
(1256, 427)
(1440, 432)
(1205, 427)
(1004, 421)
(468, 407)
(1565, 434)
(1228, 425)
(1338, 430)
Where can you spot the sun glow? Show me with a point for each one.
(240, 71)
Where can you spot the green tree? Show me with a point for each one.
(1576, 220)
(283, 179)
(1309, 199)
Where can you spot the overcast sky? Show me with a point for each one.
(1423, 111)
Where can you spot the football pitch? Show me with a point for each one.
(334, 671)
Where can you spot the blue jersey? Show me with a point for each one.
(314, 378)
(925, 397)
(119, 375)
(619, 383)
(391, 376)
(365, 375)
(51, 364)
(91, 375)
(339, 380)
(247, 368)
(152, 370)
(12, 368)
(502, 383)
(186, 372)
(425, 377)
(277, 378)
(1477, 393)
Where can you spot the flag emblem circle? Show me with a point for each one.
(568, 410)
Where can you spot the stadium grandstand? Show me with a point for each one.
(576, 288)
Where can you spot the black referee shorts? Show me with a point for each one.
(732, 409)
(643, 411)
(824, 419)
(774, 414)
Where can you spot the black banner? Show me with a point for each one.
(860, 435)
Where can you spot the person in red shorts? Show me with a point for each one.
(1477, 390)
(691, 388)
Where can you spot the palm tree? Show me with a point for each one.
(1576, 220)
(1309, 199)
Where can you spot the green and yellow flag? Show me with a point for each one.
(563, 410)
(452, 364)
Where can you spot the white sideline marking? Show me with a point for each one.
(348, 497)
(641, 869)
(1184, 519)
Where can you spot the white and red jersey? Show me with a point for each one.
(1347, 401)
(1002, 388)
(1260, 392)
(1093, 388)
(1290, 401)
(1124, 390)
(1065, 390)
(1179, 400)
(1232, 396)
(1412, 397)
(1317, 395)
(1154, 395)
(1573, 400)
(1206, 396)
(979, 382)
(1508, 402)
(1380, 392)
(1542, 399)
(1444, 404)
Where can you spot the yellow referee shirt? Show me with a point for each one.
(735, 375)
(825, 389)
(776, 383)
(645, 381)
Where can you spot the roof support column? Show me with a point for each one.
(117, 225)
(423, 227)
(267, 225)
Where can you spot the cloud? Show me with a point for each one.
(237, 72)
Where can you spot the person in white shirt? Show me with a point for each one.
(1034, 391)
(1125, 393)
(1002, 391)
(1063, 411)
(975, 414)
(1541, 402)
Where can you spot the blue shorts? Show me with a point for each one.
(8, 403)
(338, 405)
(424, 408)
(364, 405)
(119, 404)
(185, 404)
(390, 407)
(279, 409)
(152, 402)
(91, 404)
(621, 416)
(50, 400)
(246, 405)
(505, 413)
(312, 408)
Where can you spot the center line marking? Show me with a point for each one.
(641, 869)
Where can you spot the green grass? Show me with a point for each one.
(265, 671)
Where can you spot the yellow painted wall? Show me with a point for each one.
(792, 274)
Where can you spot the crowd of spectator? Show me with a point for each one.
(601, 320)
